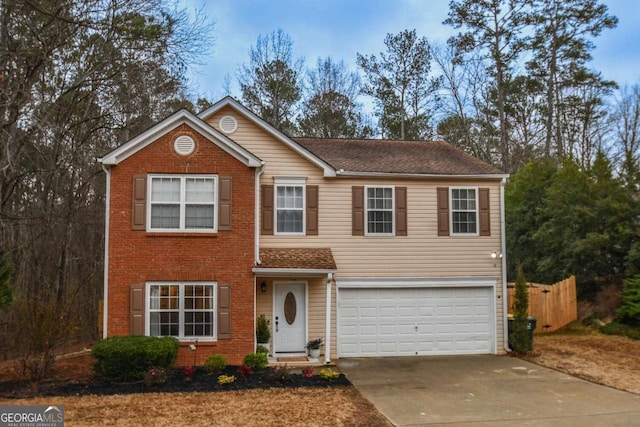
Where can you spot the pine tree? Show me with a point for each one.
(629, 310)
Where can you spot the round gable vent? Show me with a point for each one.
(184, 145)
(228, 124)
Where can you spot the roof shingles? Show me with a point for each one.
(401, 157)
(297, 258)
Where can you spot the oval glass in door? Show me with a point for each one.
(290, 308)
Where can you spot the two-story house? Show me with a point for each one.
(379, 247)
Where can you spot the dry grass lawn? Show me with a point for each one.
(604, 359)
(339, 406)
(307, 406)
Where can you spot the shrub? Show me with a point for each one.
(262, 349)
(188, 372)
(280, 374)
(155, 376)
(128, 358)
(307, 371)
(256, 361)
(519, 339)
(262, 329)
(244, 370)
(615, 328)
(629, 310)
(215, 363)
(329, 374)
(226, 379)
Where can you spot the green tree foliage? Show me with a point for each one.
(570, 221)
(270, 83)
(330, 108)
(629, 311)
(402, 87)
(524, 200)
(519, 339)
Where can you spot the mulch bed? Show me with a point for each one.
(200, 381)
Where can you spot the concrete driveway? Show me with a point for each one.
(485, 391)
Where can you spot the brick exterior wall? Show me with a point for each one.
(226, 257)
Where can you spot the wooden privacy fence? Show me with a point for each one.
(554, 306)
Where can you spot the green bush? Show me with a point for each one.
(615, 328)
(256, 361)
(629, 310)
(128, 358)
(262, 349)
(215, 363)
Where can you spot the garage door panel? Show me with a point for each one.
(410, 321)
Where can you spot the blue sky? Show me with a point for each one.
(341, 29)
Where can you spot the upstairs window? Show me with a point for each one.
(379, 210)
(183, 203)
(290, 206)
(464, 211)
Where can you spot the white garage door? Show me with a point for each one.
(415, 321)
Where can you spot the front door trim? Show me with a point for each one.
(304, 306)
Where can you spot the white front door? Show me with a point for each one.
(290, 317)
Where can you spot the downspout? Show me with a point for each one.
(327, 326)
(256, 250)
(259, 173)
(503, 249)
(105, 297)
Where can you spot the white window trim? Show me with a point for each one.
(477, 233)
(393, 211)
(183, 180)
(181, 286)
(284, 182)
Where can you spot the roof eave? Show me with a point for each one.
(293, 271)
(361, 174)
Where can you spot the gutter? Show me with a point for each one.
(105, 297)
(256, 250)
(503, 233)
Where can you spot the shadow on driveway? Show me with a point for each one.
(485, 391)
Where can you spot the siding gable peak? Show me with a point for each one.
(229, 101)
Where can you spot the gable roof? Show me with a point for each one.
(375, 157)
(286, 140)
(176, 119)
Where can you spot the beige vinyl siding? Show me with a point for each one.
(422, 253)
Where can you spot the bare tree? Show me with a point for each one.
(330, 108)
(270, 83)
(626, 122)
(77, 79)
